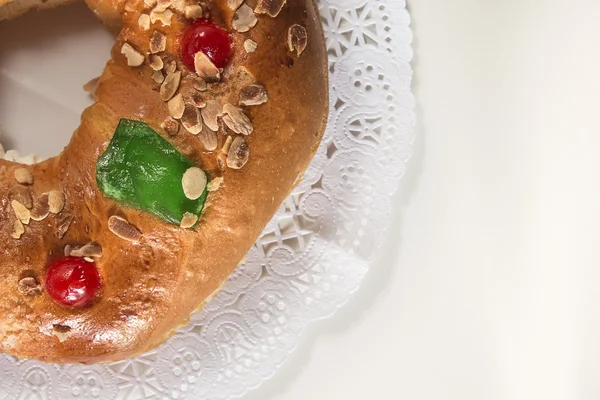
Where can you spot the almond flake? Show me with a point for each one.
(144, 22)
(123, 229)
(297, 39)
(215, 184)
(18, 229)
(171, 126)
(22, 213)
(170, 67)
(134, 57)
(23, 176)
(63, 226)
(56, 201)
(149, 3)
(158, 77)
(253, 95)
(234, 4)
(89, 250)
(156, 63)
(176, 106)
(236, 120)
(205, 68)
(200, 84)
(158, 42)
(22, 195)
(188, 221)
(194, 183)
(162, 5)
(209, 139)
(191, 119)
(41, 208)
(62, 332)
(198, 100)
(244, 19)
(29, 286)
(250, 46)
(227, 144)
(193, 12)
(164, 17)
(91, 85)
(238, 153)
(210, 113)
(178, 5)
(270, 7)
(170, 86)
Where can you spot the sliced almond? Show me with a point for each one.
(171, 126)
(144, 22)
(200, 84)
(178, 5)
(162, 5)
(170, 86)
(56, 201)
(164, 17)
(211, 113)
(188, 221)
(191, 119)
(215, 184)
(198, 100)
(176, 106)
(155, 62)
(63, 226)
(297, 39)
(234, 4)
(149, 3)
(227, 144)
(253, 95)
(194, 183)
(93, 250)
(238, 153)
(41, 208)
(22, 194)
(158, 77)
(29, 286)
(205, 68)
(23, 176)
(270, 7)
(250, 46)
(22, 213)
(62, 332)
(134, 57)
(170, 67)
(193, 12)
(158, 42)
(209, 139)
(236, 120)
(18, 229)
(91, 86)
(244, 19)
(123, 229)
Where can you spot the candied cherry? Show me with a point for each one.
(72, 281)
(204, 36)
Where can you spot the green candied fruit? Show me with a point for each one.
(142, 170)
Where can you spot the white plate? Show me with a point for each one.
(311, 257)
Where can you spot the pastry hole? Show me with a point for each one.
(40, 107)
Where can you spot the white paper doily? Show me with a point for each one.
(310, 258)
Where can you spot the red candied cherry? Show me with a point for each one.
(72, 281)
(213, 41)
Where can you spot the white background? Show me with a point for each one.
(487, 288)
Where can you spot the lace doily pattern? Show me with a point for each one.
(310, 258)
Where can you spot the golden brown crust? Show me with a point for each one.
(150, 288)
